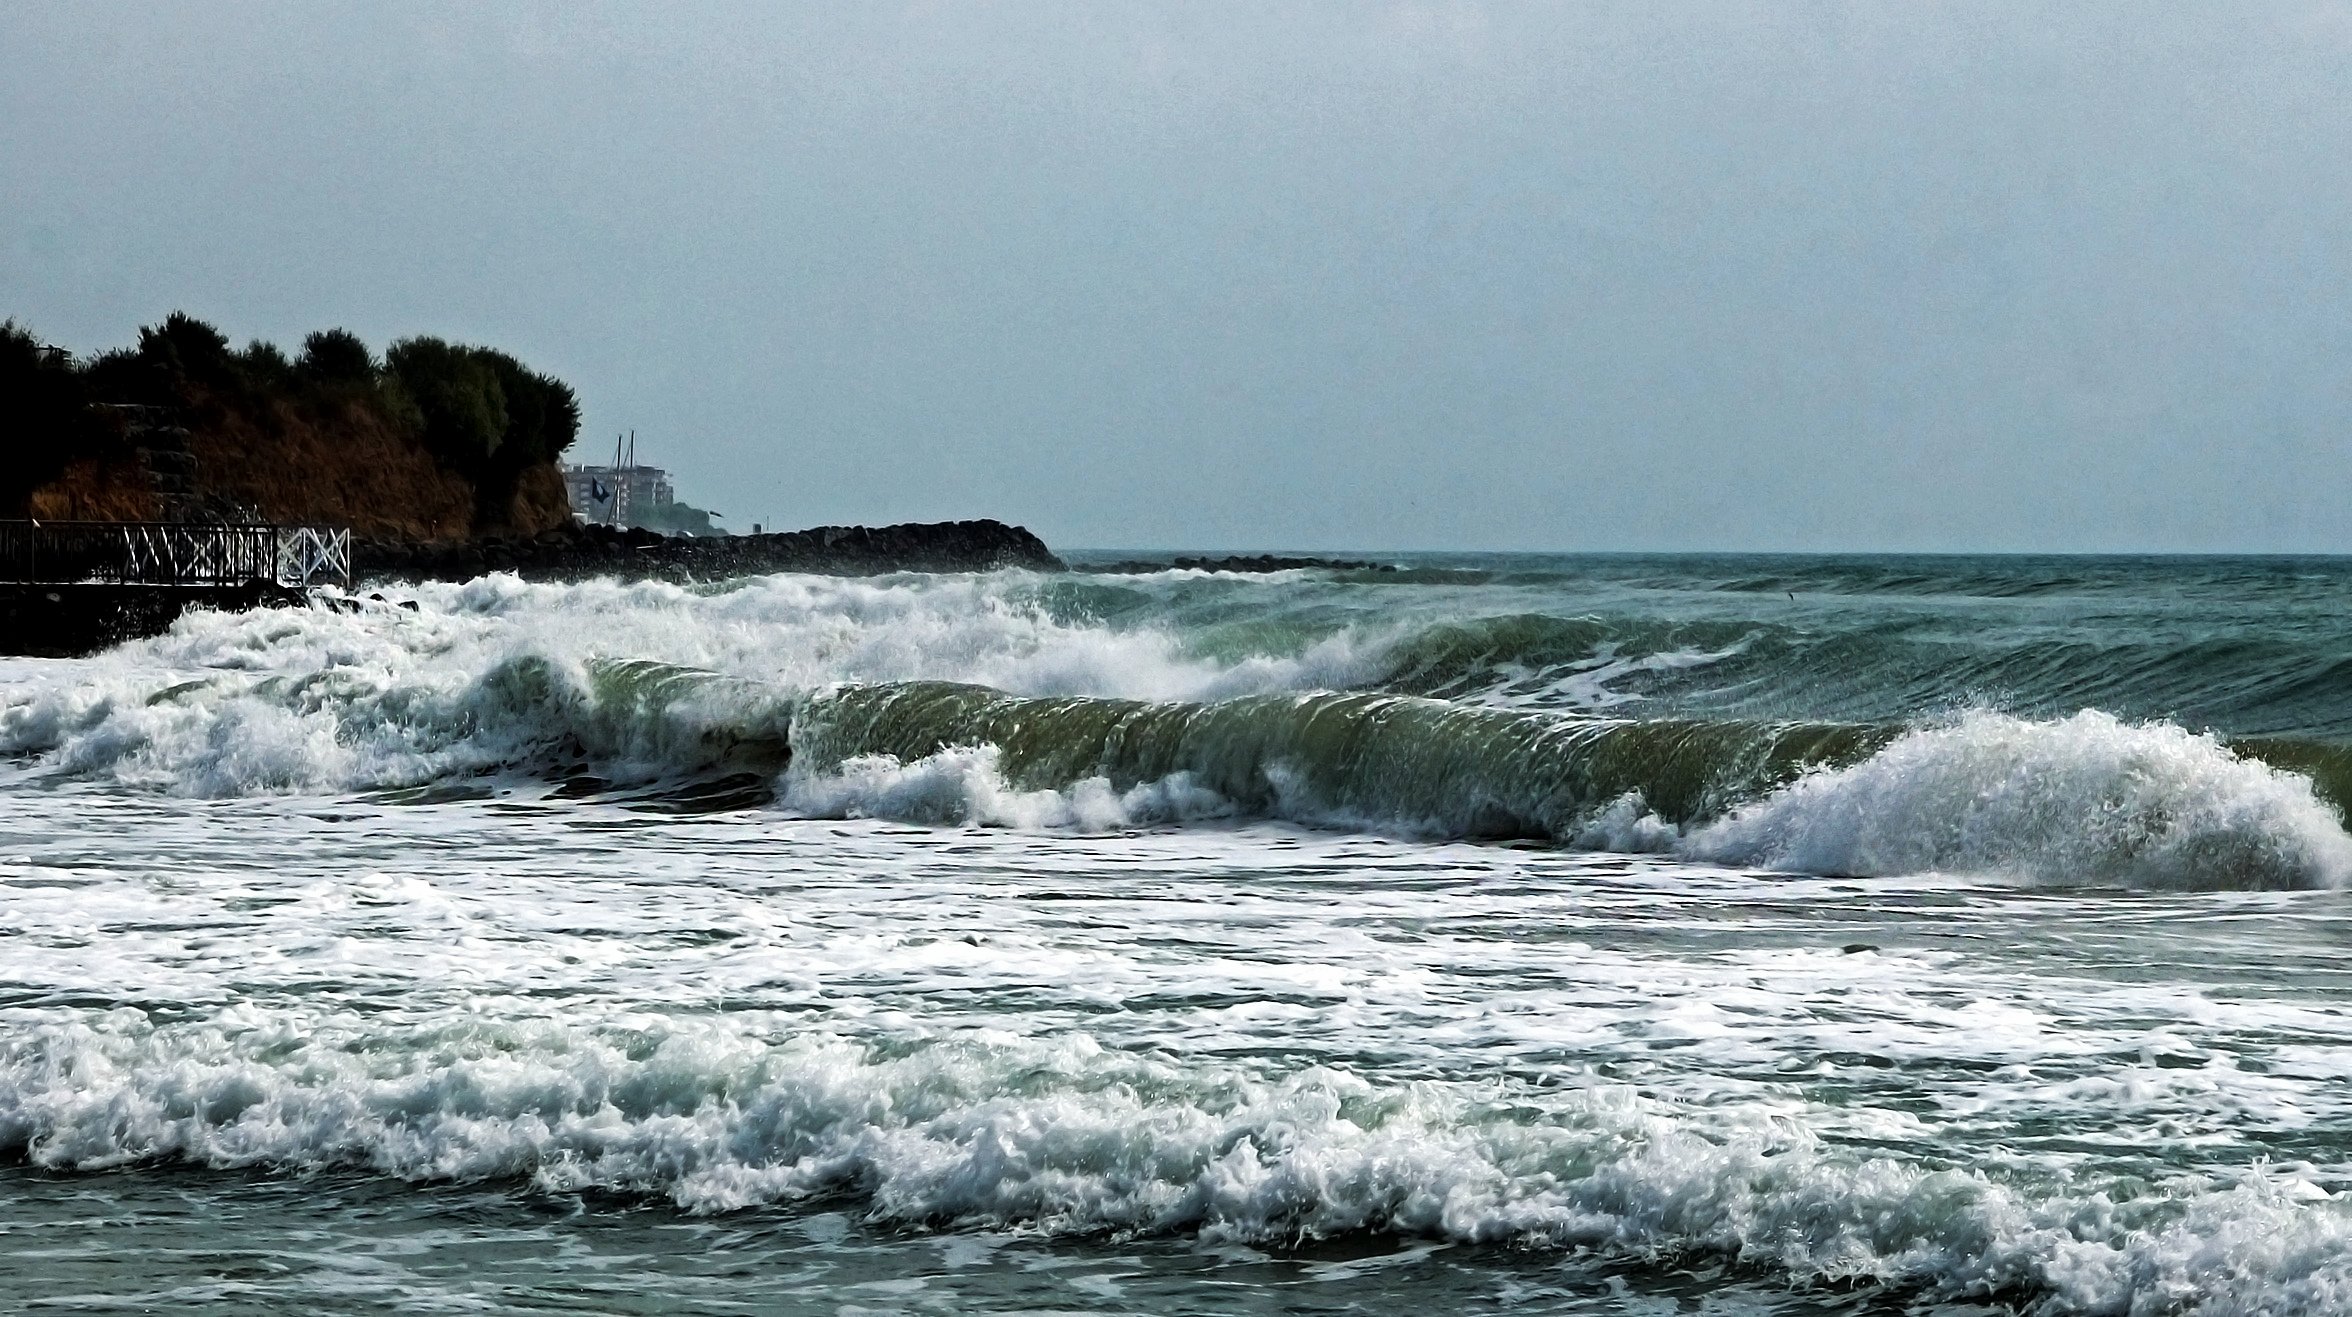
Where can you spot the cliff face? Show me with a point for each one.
(98, 489)
(346, 468)
(436, 442)
(352, 468)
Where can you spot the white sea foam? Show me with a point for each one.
(965, 784)
(1070, 1023)
(1589, 684)
(2089, 798)
(1064, 1136)
(497, 673)
(1249, 1033)
(1628, 826)
(496, 669)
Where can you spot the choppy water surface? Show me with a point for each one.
(1513, 935)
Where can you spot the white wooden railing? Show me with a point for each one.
(171, 553)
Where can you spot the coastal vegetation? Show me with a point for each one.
(432, 440)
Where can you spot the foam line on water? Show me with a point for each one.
(1063, 1136)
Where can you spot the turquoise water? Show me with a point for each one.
(1502, 934)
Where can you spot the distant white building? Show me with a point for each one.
(618, 495)
(629, 494)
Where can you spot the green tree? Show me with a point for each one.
(265, 367)
(336, 356)
(188, 349)
(479, 412)
(45, 416)
(542, 415)
(457, 394)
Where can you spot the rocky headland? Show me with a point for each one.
(441, 458)
(573, 552)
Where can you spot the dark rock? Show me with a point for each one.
(582, 551)
(61, 621)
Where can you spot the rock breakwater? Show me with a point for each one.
(575, 551)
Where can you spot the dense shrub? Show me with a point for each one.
(190, 349)
(265, 367)
(459, 397)
(336, 356)
(483, 413)
(45, 416)
(542, 415)
(123, 375)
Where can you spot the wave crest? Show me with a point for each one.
(1064, 1136)
(2088, 798)
(1106, 727)
(966, 784)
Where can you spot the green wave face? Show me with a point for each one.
(2089, 798)
(1886, 670)
(1452, 769)
(2242, 647)
(1831, 716)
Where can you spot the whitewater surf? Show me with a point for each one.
(1540, 933)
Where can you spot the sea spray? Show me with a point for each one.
(232, 734)
(498, 673)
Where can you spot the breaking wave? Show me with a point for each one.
(967, 785)
(2085, 799)
(829, 689)
(1062, 1136)
(1400, 762)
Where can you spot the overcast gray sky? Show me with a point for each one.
(1589, 276)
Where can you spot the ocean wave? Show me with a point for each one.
(967, 785)
(497, 673)
(1062, 1136)
(1099, 727)
(1534, 660)
(2085, 799)
(344, 729)
(1401, 762)
(1890, 667)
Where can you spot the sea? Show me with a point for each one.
(1614, 934)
